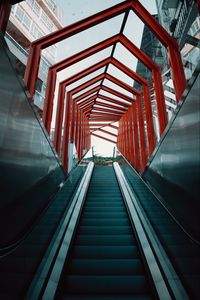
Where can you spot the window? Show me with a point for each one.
(13, 9)
(19, 13)
(30, 2)
(46, 21)
(51, 4)
(36, 8)
(35, 31)
(26, 21)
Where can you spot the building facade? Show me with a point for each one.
(182, 21)
(30, 20)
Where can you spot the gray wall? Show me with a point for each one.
(29, 171)
(174, 171)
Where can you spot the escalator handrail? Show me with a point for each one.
(158, 198)
(161, 270)
(46, 279)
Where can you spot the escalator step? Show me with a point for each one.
(113, 297)
(104, 204)
(104, 210)
(105, 240)
(106, 267)
(109, 230)
(105, 285)
(110, 215)
(125, 252)
(104, 222)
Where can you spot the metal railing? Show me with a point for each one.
(181, 17)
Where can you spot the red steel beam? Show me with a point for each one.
(106, 98)
(61, 64)
(107, 132)
(148, 108)
(87, 106)
(135, 137)
(113, 126)
(142, 133)
(131, 136)
(65, 144)
(96, 79)
(88, 93)
(102, 137)
(102, 119)
(102, 104)
(103, 114)
(87, 84)
(5, 8)
(87, 71)
(116, 93)
(107, 110)
(73, 29)
(87, 101)
(51, 80)
(97, 128)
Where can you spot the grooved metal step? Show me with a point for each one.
(105, 261)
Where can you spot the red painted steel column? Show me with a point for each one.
(72, 121)
(149, 119)
(122, 135)
(142, 133)
(77, 129)
(131, 137)
(84, 133)
(48, 105)
(5, 9)
(75, 122)
(32, 68)
(118, 137)
(127, 137)
(59, 119)
(82, 143)
(178, 73)
(80, 137)
(66, 135)
(160, 100)
(135, 137)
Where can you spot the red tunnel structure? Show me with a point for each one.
(84, 114)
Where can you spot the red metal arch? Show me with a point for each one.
(48, 105)
(82, 114)
(134, 5)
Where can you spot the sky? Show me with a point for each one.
(75, 10)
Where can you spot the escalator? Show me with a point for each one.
(105, 260)
(109, 253)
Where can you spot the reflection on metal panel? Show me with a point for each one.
(174, 171)
(30, 172)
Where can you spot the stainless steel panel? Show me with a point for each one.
(29, 171)
(174, 171)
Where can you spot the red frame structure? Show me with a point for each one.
(134, 5)
(135, 138)
(5, 8)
